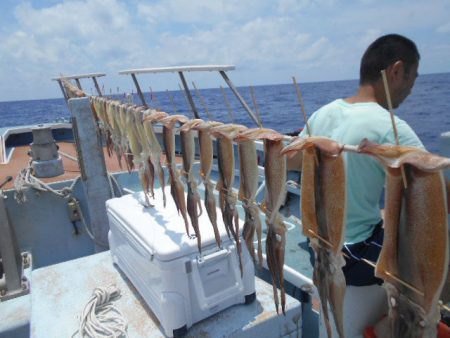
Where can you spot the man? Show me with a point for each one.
(348, 121)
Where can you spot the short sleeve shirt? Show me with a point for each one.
(349, 123)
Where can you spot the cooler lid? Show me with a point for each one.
(162, 229)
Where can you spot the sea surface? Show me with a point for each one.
(427, 109)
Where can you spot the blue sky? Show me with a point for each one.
(268, 41)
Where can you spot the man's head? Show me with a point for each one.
(399, 56)
(385, 51)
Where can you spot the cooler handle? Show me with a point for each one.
(202, 260)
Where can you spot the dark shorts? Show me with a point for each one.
(357, 272)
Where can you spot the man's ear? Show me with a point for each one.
(397, 71)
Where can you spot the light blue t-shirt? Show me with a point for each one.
(349, 123)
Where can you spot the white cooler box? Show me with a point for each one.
(181, 287)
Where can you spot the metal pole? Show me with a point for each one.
(239, 97)
(227, 103)
(188, 94)
(202, 101)
(95, 176)
(96, 86)
(62, 89)
(136, 83)
(258, 115)
(78, 83)
(11, 257)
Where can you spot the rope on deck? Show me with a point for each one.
(100, 318)
(25, 179)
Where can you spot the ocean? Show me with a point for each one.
(427, 109)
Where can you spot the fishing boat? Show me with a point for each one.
(57, 253)
(58, 185)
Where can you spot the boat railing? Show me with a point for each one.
(77, 78)
(2, 150)
(5, 148)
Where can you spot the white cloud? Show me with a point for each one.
(291, 6)
(93, 28)
(258, 44)
(267, 41)
(70, 37)
(200, 12)
(445, 28)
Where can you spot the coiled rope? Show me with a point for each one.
(25, 179)
(100, 318)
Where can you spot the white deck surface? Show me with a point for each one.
(61, 291)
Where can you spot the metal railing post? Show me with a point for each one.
(97, 86)
(189, 96)
(239, 97)
(77, 80)
(139, 91)
(63, 91)
(16, 283)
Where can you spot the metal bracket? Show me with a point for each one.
(24, 290)
(14, 283)
(25, 284)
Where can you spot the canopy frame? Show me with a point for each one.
(181, 70)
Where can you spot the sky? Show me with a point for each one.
(268, 41)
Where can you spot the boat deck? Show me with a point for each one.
(60, 293)
(19, 159)
(53, 241)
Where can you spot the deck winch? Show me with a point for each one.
(46, 161)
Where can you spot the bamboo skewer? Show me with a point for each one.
(409, 286)
(227, 103)
(445, 307)
(305, 118)
(184, 95)
(258, 115)
(391, 112)
(151, 93)
(202, 101)
(172, 102)
(154, 98)
(302, 106)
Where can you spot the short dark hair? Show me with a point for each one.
(385, 51)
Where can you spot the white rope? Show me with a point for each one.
(112, 180)
(25, 179)
(111, 188)
(100, 318)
